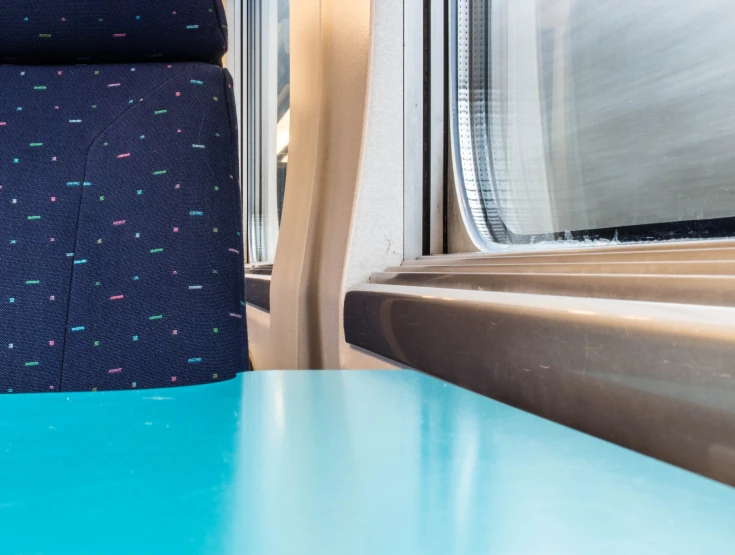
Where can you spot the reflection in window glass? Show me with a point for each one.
(268, 123)
(284, 99)
(594, 119)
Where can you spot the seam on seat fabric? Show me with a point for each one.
(79, 212)
(237, 199)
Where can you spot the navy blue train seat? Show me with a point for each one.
(120, 228)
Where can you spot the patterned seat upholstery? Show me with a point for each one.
(120, 217)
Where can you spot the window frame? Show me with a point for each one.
(260, 156)
(241, 63)
(613, 326)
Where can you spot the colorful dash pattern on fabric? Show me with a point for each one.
(70, 31)
(119, 210)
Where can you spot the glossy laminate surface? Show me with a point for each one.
(333, 463)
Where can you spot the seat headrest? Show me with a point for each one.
(109, 31)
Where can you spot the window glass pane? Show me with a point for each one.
(283, 99)
(594, 119)
(268, 123)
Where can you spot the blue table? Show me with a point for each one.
(333, 463)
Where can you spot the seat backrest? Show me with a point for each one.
(100, 31)
(120, 227)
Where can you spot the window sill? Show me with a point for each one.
(258, 285)
(630, 344)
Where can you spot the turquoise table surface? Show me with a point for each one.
(333, 463)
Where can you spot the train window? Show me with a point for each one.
(577, 121)
(269, 117)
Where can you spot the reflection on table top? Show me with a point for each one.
(333, 463)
